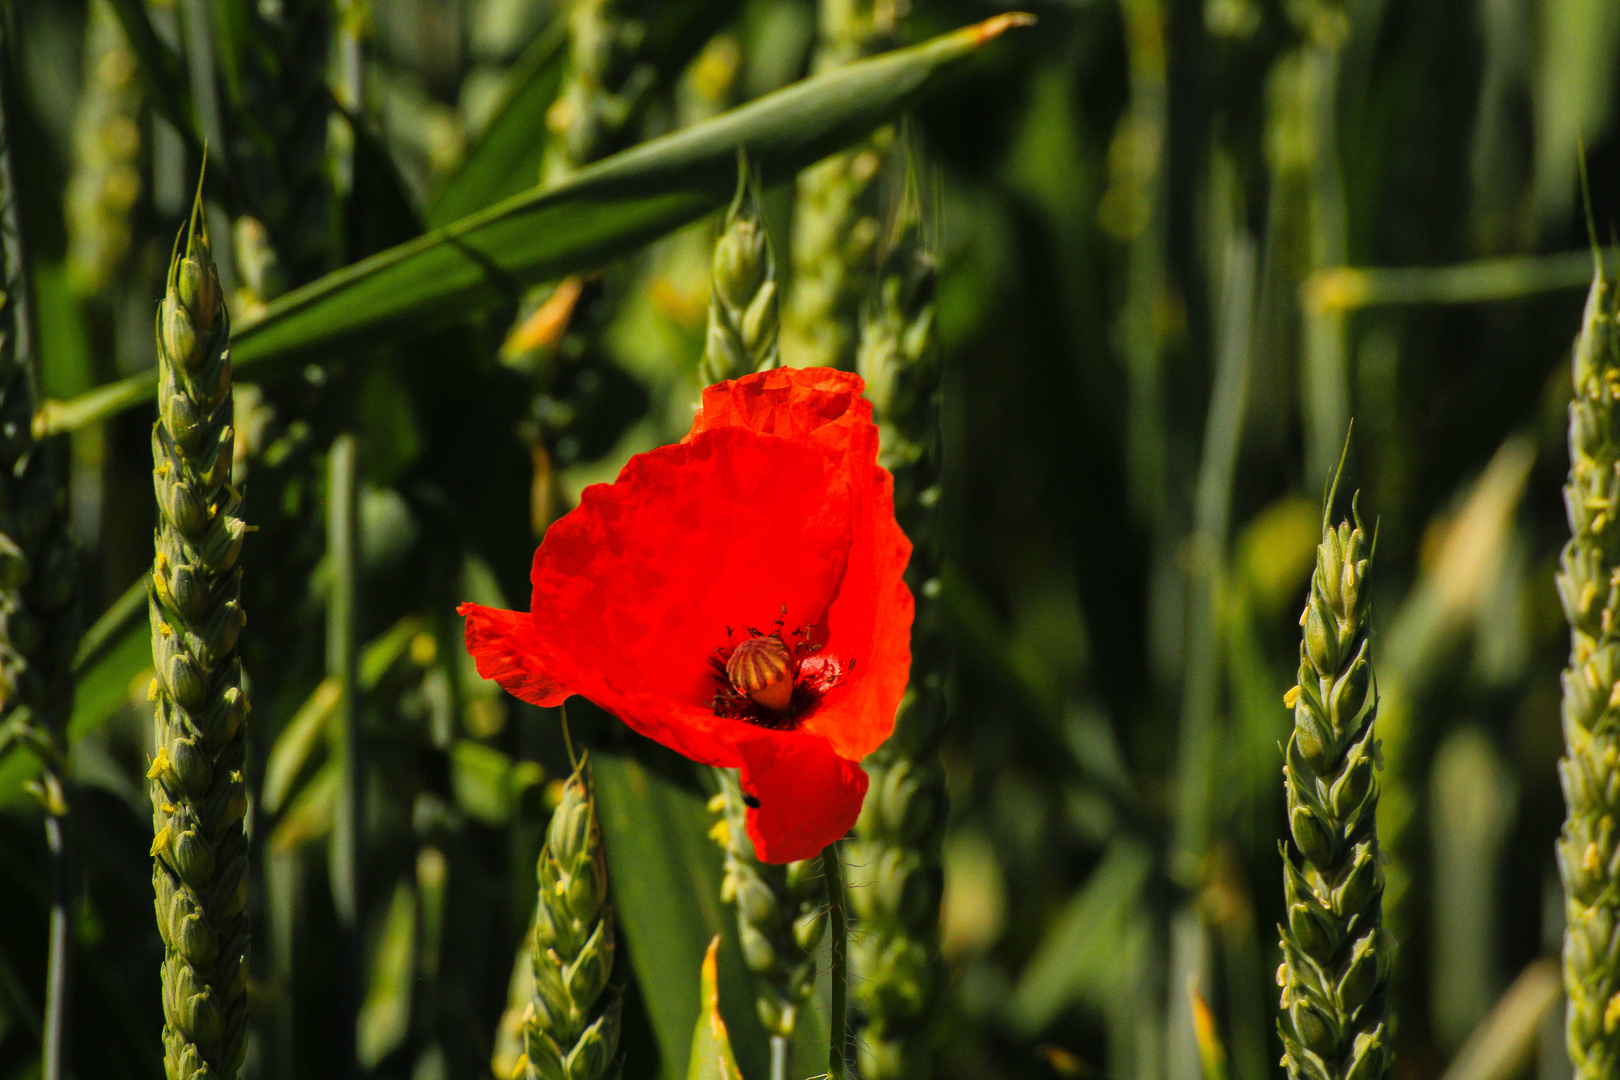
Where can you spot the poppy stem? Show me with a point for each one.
(779, 1057)
(568, 743)
(833, 867)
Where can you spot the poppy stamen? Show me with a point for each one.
(762, 668)
(766, 680)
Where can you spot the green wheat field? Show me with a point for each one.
(1245, 377)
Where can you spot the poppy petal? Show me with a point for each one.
(820, 406)
(808, 796)
(636, 587)
(870, 623)
(507, 649)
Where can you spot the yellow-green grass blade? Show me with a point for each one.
(604, 211)
(666, 885)
(506, 158)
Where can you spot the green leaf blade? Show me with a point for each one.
(606, 210)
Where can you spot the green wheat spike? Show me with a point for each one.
(1589, 586)
(1336, 952)
(39, 613)
(606, 83)
(835, 225)
(278, 81)
(106, 180)
(781, 917)
(571, 1025)
(200, 852)
(743, 323)
(895, 868)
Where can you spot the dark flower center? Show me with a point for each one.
(772, 679)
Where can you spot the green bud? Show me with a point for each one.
(1362, 975)
(223, 718)
(1321, 635)
(1312, 930)
(1350, 789)
(588, 975)
(1314, 1027)
(545, 1057)
(193, 859)
(808, 930)
(1354, 893)
(803, 878)
(758, 905)
(190, 765)
(176, 334)
(1350, 694)
(182, 506)
(188, 592)
(184, 680)
(1330, 567)
(1311, 836)
(1369, 1059)
(198, 288)
(758, 952)
(774, 1016)
(221, 545)
(594, 1052)
(1313, 741)
(14, 564)
(196, 941)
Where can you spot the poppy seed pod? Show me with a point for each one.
(762, 668)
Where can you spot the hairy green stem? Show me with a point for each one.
(1336, 952)
(838, 967)
(1589, 586)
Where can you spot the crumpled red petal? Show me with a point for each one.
(808, 796)
(774, 499)
(870, 620)
(821, 406)
(506, 649)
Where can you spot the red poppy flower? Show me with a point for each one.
(736, 597)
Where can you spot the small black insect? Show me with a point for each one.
(751, 802)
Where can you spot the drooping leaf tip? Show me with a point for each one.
(709, 977)
(994, 28)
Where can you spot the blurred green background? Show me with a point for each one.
(1182, 243)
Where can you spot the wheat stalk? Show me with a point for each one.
(894, 862)
(281, 106)
(1336, 952)
(780, 919)
(1589, 586)
(606, 84)
(743, 322)
(835, 223)
(106, 180)
(199, 870)
(571, 1024)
